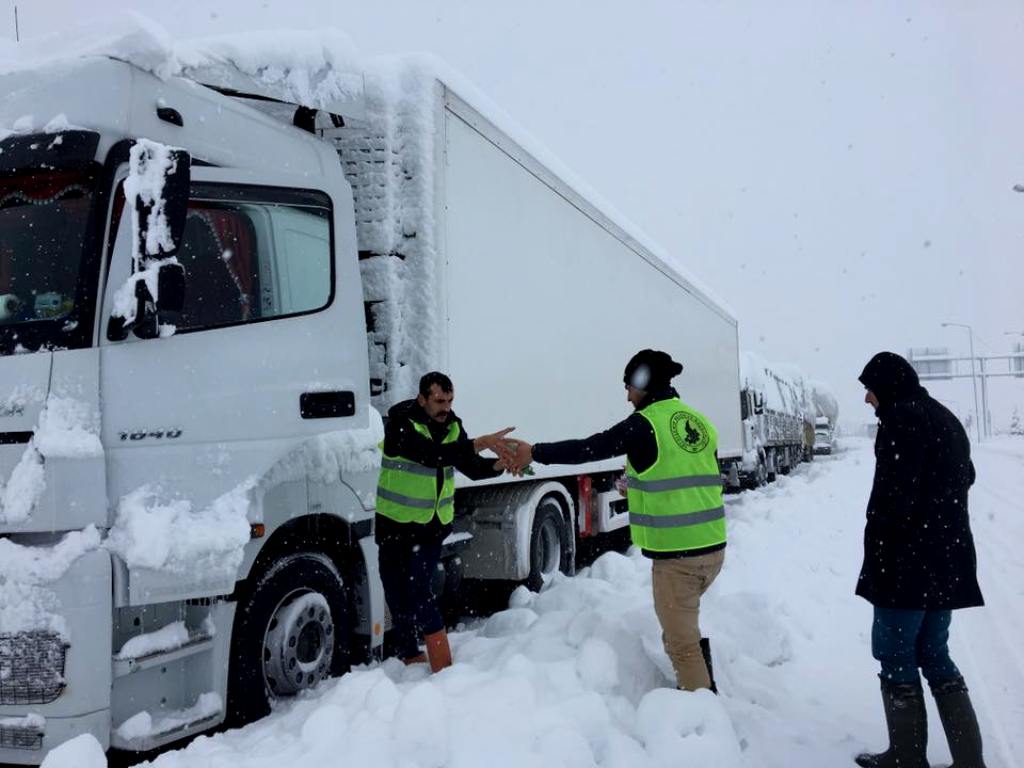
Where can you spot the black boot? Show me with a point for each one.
(908, 729)
(959, 722)
(705, 650)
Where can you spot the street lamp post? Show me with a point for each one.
(974, 378)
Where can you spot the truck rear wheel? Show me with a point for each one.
(549, 544)
(290, 634)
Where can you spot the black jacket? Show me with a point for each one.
(632, 437)
(918, 549)
(402, 439)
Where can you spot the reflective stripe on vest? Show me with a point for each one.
(407, 491)
(676, 504)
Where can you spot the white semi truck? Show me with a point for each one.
(777, 409)
(188, 444)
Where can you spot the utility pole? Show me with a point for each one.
(17, 32)
(974, 381)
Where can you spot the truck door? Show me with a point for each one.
(269, 351)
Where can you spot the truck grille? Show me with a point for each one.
(31, 667)
(20, 738)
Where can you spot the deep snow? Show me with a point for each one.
(576, 675)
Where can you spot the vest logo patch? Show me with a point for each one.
(689, 432)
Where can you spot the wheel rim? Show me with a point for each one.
(550, 549)
(298, 644)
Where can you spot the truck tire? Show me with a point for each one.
(759, 477)
(549, 544)
(290, 633)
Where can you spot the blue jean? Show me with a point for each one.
(904, 640)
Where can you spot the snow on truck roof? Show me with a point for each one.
(317, 69)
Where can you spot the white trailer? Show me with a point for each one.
(533, 299)
(186, 518)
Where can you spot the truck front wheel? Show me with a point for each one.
(290, 633)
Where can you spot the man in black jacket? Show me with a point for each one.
(424, 443)
(919, 563)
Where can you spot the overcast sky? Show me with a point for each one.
(841, 173)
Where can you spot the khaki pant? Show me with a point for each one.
(678, 585)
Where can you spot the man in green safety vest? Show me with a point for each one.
(424, 443)
(674, 490)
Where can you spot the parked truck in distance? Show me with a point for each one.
(196, 344)
(778, 420)
(824, 436)
(826, 409)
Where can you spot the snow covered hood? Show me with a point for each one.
(311, 69)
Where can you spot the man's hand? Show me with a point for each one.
(517, 455)
(491, 442)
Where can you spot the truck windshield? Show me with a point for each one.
(43, 219)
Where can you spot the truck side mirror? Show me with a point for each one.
(159, 184)
(170, 289)
(150, 314)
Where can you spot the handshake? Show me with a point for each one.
(514, 456)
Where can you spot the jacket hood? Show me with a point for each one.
(890, 377)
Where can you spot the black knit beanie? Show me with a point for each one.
(651, 370)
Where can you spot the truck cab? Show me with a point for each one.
(824, 436)
(171, 502)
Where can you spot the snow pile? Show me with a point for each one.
(28, 721)
(23, 489)
(80, 752)
(20, 398)
(170, 535)
(167, 638)
(69, 428)
(325, 457)
(25, 602)
(389, 162)
(314, 67)
(574, 676)
(143, 725)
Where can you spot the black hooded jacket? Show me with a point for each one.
(402, 439)
(918, 549)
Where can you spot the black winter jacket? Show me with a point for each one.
(402, 439)
(918, 549)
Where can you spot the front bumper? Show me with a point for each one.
(40, 706)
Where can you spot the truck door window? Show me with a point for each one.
(254, 253)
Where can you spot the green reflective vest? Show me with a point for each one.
(676, 504)
(407, 491)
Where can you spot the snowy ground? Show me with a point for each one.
(576, 676)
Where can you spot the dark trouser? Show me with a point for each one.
(407, 567)
(905, 640)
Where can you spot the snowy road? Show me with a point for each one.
(576, 676)
(797, 548)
